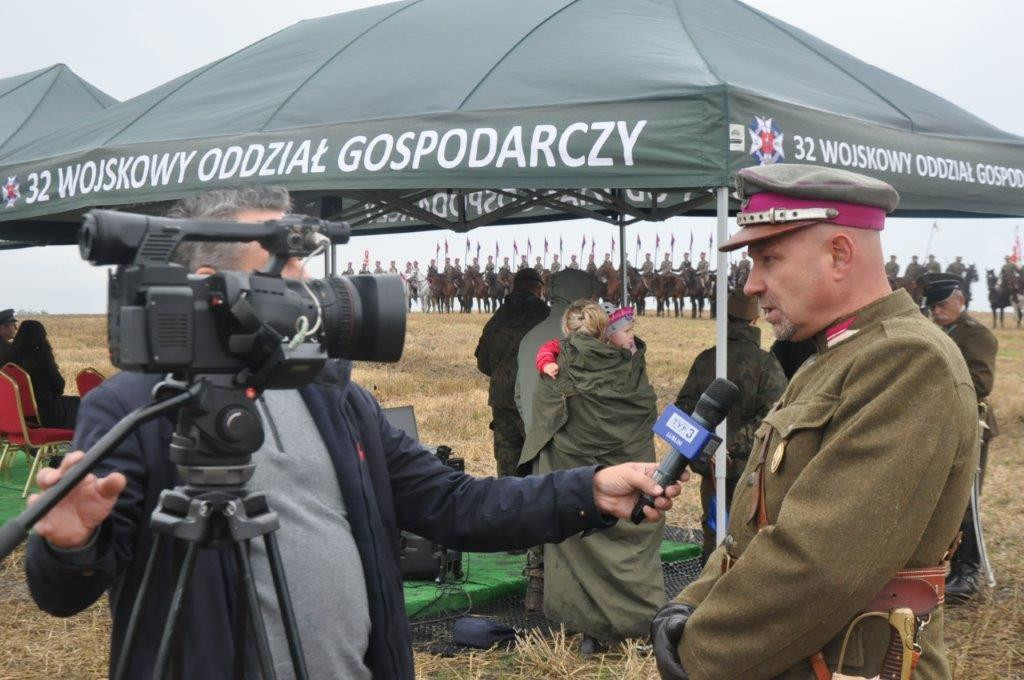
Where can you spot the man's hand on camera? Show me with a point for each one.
(72, 522)
(617, 488)
(667, 633)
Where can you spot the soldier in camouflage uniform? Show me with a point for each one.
(497, 358)
(761, 381)
(892, 268)
(860, 473)
(943, 295)
(957, 268)
(932, 266)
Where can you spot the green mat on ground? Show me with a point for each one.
(12, 481)
(494, 576)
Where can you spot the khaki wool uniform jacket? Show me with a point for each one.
(854, 469)
(979, 346)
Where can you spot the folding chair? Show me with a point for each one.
(23, 381)
(87, 379)
(43, 441)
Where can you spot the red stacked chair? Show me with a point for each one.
(87, 379)
(43, 441)
(22, 379)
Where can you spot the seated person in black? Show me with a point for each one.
(32, 351)
(8, 327)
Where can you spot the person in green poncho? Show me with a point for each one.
(595, 405)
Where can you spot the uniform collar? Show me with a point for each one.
(743, 330)
(898, 303)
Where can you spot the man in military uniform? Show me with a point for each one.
(523, 264)
(1009, 270)
(505, 268)
(392, 269)
(8, 329)
(448, 268)
(539, 266)
(606, 269)
(432, 268)
(666, 265)
(556, 266)
(415, 271)
(647, 268)
(489, 267)
(943, 295)
(742, 269)
(377, 269)
(914, 269)
(591, 265)
(758, 375)
(573, 264)
(852, 495)
(497, 356)
(932, 266)
(957, 267)
(349, 271)
(365, 267)
(703, 266)
(892, 268)
(457, 267)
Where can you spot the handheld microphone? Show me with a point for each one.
(692, 437)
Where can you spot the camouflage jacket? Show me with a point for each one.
(755, 371)
(498, 350)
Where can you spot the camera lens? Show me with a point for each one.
(363, 316)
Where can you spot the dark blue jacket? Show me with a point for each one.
(388, 481)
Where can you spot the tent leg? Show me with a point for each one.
(622, 255)
(721, 295)
(331, 265)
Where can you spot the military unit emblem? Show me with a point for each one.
(766, 141)
(10, 194)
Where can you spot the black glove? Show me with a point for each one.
(667, 633)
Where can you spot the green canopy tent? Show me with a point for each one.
(426, 114)
(36, 103)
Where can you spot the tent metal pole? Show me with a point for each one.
(332, 260)
(622, 253)
(721, 295)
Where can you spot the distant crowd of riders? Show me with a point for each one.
(451, 287)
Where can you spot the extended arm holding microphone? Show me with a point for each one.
(691, 436)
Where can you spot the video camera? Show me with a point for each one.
(266, 331)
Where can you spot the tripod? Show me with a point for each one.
(217, 430)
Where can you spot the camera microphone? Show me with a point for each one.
(692, 437)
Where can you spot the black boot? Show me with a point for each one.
(591, 646)
(962, 583)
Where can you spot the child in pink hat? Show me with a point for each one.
(614, 325)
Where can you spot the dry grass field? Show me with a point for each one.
(438, 376)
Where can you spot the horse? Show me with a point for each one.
(501, 286)
(697, 288)
(611, 287)
(666, 288)
(480, 291)
(1003, 291)
(910, 285)
(443, 292)
(637, 290)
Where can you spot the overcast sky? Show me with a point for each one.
(967, 52)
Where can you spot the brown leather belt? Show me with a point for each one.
(921, 590)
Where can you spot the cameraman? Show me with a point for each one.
(343, 482)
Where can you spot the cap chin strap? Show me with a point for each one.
(783, 215)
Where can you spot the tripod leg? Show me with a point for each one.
(259, 630)
(284, 602)
(239, 624)
(140, 604)
(163, 655)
